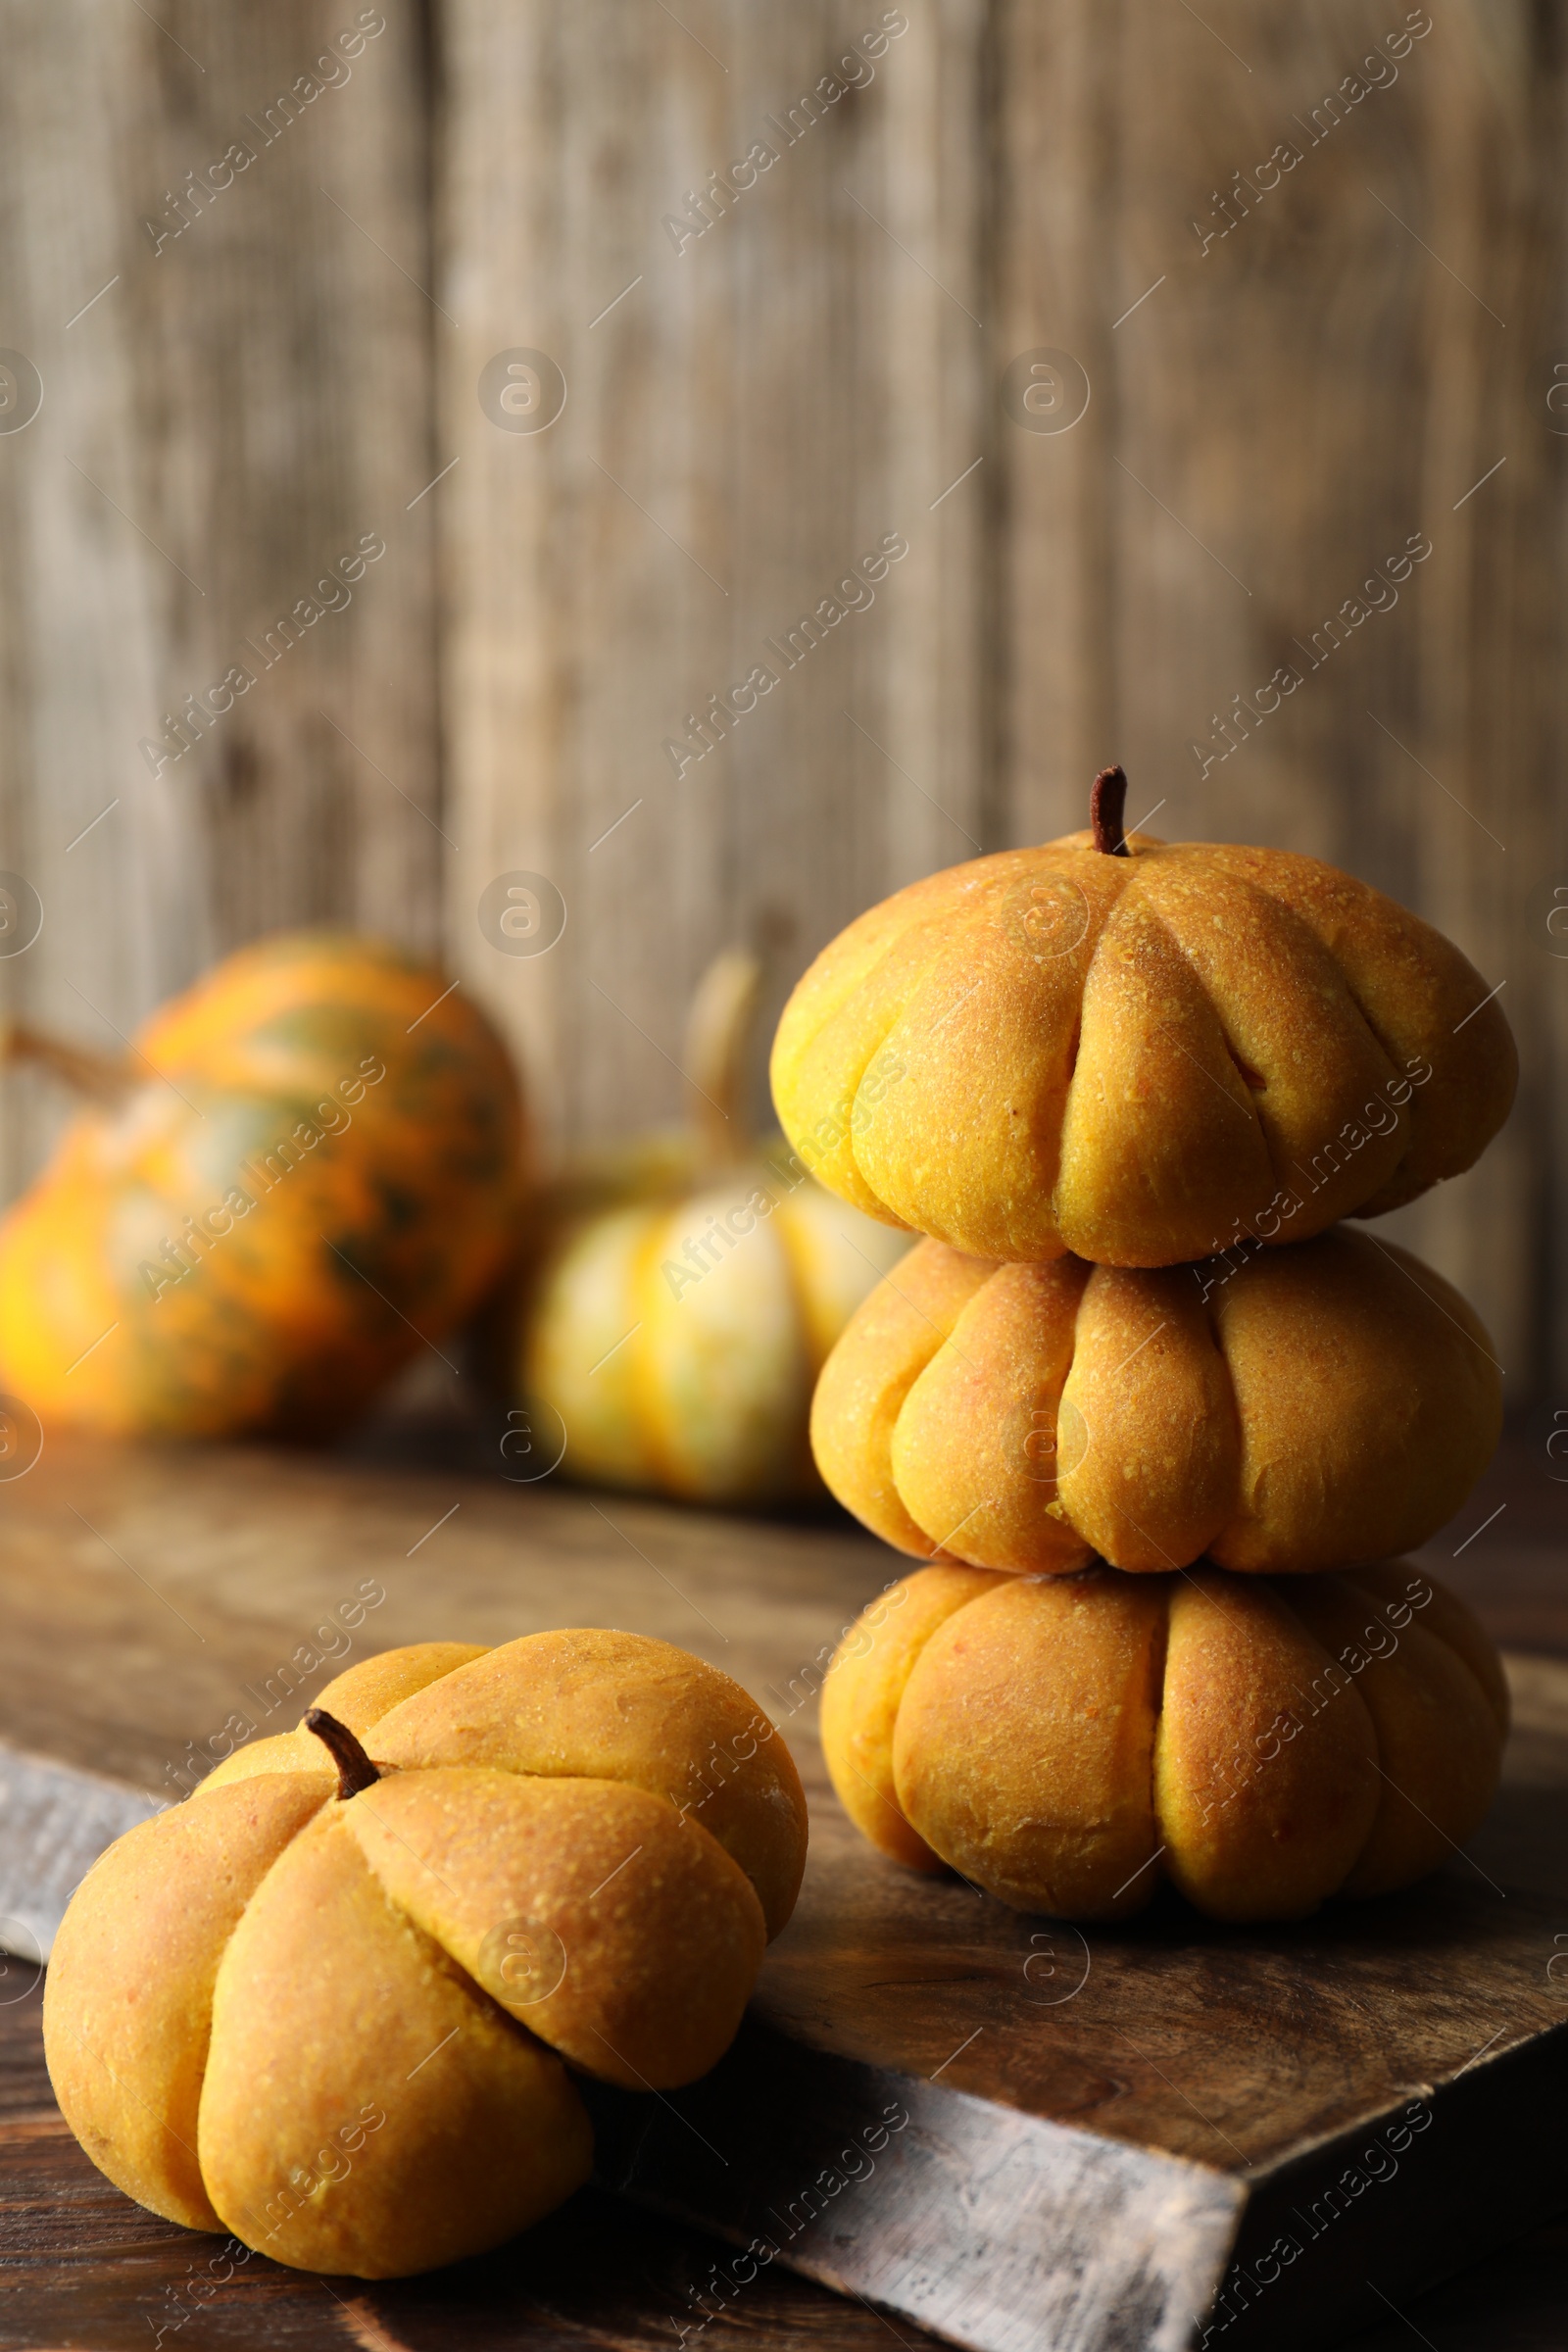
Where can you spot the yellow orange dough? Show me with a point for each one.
(1290, 1410)
(1069, 1742)
(1141, 1059)
(339, 2025)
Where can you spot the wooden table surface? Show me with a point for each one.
(81, 2268)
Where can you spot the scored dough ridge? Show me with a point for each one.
(430, 1949)
(966, 1389)
(1374, 1590)
(943, 955)
(247, 1958)
(1158, 918)
(1288, 970)
(1290, 916)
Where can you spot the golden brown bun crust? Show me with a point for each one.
(1065, 1742)
(1292, 1410)
(331, 2010)
(862, 1387)
(1023, 1752)
(862, 1694)
(128, 1993)
(1138, 1058)
(625, 1707)
(632, 1904)
(1243, 1843)
(332, 2026)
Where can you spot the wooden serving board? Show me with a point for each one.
(1017, 2133)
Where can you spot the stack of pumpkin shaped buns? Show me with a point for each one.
(1152, 1416)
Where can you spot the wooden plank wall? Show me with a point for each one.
(770, 397)
(239, 406)
(1290, 371)
(1316, 372)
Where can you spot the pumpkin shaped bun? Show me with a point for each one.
(307, 1169)
(330, 2002)
(1287, 1409)
(1068, 1743)
(1136, 1050)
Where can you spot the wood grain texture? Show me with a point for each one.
(766, 400)
(58, 1821)
(1287, 382)
(237, 406)
(1312, 372)
(1165, 2083)
(1280, 396)
(79, 2265)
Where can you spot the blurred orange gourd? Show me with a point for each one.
(308, 1165)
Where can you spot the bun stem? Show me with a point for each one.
(355, 1771)
(1108, 806)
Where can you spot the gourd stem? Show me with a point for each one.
(104, 1077)
(718, 1032)
(355, 1771)
(1107, 806)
